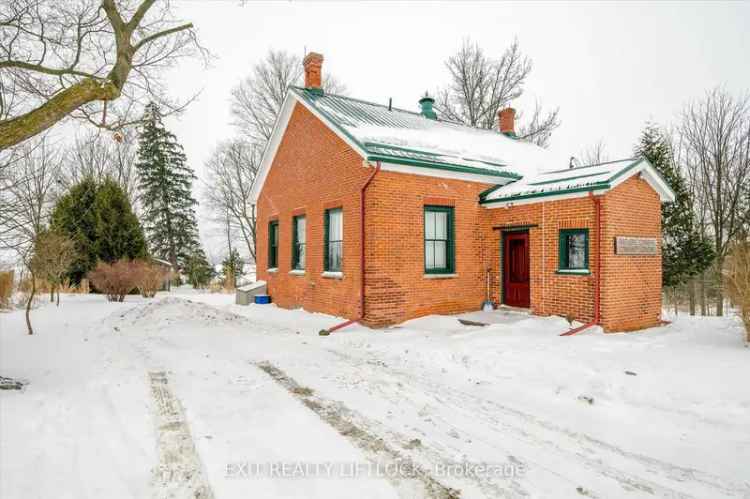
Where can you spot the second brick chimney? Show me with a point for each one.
(506, 118)
(313, 62)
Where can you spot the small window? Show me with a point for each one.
(574, 249)
(298, 243)
(273, 244)
(438, 240)
(334, 243)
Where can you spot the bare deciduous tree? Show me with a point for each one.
(715, 136)
(256, 101)
(594, 155)
(94, 156)
(31, 184)
(54, 253)
(232, 169)
(61, 58)
(481, 85)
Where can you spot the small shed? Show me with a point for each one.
(246, 293)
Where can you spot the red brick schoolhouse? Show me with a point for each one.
(380, 215)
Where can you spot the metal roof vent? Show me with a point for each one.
(426, 103)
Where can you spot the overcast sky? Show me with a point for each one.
(610, 67)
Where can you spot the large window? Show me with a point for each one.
(574, 250)
(298, 243)
(334, 247)
(273, 244)
(438, 240)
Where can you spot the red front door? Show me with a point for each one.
(516, 269)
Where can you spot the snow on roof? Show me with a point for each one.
(406, 137)
(251, 286)
(601, 176)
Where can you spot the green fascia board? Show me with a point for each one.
(591, 187)
(638, 162)
(624, 170)
(440, 166)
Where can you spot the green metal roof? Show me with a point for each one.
(394, 135)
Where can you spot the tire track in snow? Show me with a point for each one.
(375, 447)
(516, 423)
(180, 473)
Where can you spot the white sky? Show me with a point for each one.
(610, 67)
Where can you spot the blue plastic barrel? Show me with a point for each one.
(262, 299)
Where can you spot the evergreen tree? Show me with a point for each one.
(197, 269)
(101, 223)
(686, 252)
(118, 232)
(165, 182)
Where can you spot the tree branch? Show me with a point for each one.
(160, 34)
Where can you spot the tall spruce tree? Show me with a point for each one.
(686, 252)
(165, 182)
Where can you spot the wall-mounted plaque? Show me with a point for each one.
(635, 246)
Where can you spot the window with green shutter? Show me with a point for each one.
(439, 246)
(273, 244)
(298, 242)
(574, 250)
(334, 240)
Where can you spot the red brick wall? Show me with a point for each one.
(315, 170)
(631, 285)
(397, 288)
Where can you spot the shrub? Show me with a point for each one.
(149, 277)
(737, 273)
(115, 280)
(6, 288)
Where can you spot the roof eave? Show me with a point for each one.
(441, 166)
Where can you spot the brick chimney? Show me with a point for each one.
(313, 63)
(506, 118)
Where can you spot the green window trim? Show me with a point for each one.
(565, 266)
(432, 244)
(333, 251)
(273, 244)
(299, 244)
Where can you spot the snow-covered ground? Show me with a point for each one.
(188, 395)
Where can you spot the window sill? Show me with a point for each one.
(440, 276)
(273, 270)
(573, 272)
(297, 272)
(333, 275)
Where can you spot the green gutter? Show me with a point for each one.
(489, 191)
(440, 166)
(591, 187)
